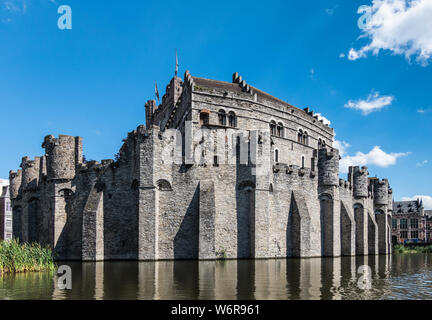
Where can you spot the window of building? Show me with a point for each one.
(204, 118)
(8, 223)
(428, 227)
(215, 161)
(319, 143)
(276, 156)
(222, 117)
(394, 223)
(303, 162)
(414, 223)
(232, 121)
(305, 139)
(404, 234)
(280, 130)
(414, 234)
(273, 128)
(8, 236)
(403, 224)
(300, 136)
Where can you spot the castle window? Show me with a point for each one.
(273, 128)
(276, 156)
(232, 121)
(303, 162)
(204, 117)
(280, 130)
(319, 143)
(215, 161)
(163, 185)
(305, 139)
(222, 117)
(300, 136)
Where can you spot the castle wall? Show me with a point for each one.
(207, 203)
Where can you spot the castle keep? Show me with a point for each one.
(219, 170)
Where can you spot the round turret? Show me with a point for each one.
(360, 181)
(328, 167)
(30, 173)
(14, 183)
(381, 191)
(62, 155)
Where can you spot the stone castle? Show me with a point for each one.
(220, 170)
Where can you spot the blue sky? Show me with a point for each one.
(94, 79)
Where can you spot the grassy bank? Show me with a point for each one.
(400, 248)
(16, 257)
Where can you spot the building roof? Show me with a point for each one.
(407, 207)
(236, 88)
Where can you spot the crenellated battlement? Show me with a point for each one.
(280, 169)
(236, 78)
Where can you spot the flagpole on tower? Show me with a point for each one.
(176, 67)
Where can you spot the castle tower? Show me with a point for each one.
(63, 155)
(30, 173)
(381, 202)
(150, 109)
(359, 179)
(30, 203)
(328, 182)
(15, 178)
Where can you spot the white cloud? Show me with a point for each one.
(342, 55)
(342, 146)
(15, 6)
(354, 55)
(324, 119)
(424, 110)
(374, 102)
(403, 27)
(427, 201)
(375, 157)
(423, 163)
(312, 74)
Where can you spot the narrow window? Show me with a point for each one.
(222, 117)
(232, 119)
(273, 128)
(280, 130)
(300, 136)
(215, 161)
(303, 162)
(204, 118)
(276, 156)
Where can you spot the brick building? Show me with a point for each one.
(410, 222)
(5, 214)
(428, 220)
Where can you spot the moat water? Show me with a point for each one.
(407, 276)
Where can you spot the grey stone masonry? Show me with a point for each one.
(219, 170)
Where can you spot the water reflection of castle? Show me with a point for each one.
(305, 279)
